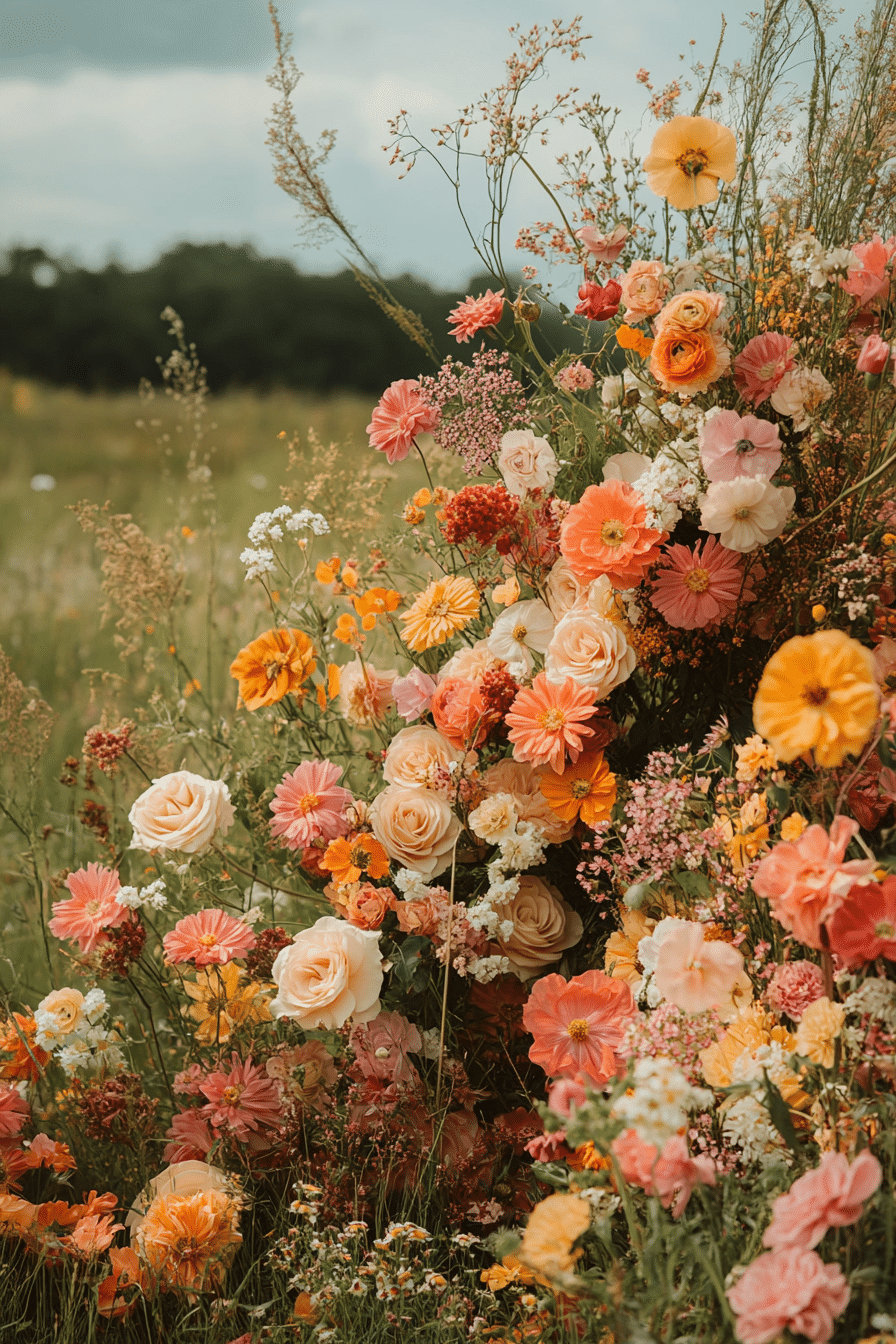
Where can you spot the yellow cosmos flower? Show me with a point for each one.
(442, 609)
(586, 789)
(818, 693)
(220, 1003)
(687, 158)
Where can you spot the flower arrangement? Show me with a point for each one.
(517, 936)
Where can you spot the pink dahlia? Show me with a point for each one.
(761, 365)
(579, 1025)
(794, 985)
(806, 881)
(699, 588)
(309, 805)
(833, 1195)
(242, 1100)
(93, 907)
(548, 722)
(210, 938)
(400, 415)
(733, 445)
(792, 1289)
(475, 314)
(864, 928)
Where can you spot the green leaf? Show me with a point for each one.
(693, 884)
(779, 1114)
(406, 960)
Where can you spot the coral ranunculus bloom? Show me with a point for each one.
(606, 533)
(273, 665)
(818, 693)
(579, 1025)
(687, 158)
(586, 789)
(688, 361)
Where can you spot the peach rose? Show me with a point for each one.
(523, 783)
(695, 310)
(459, 712)
(544, 926)
(64, 1007)
(563, 589)
(361, 903)
(526, 462)
(181, 811)
(416, 828)
(414, 756)
(328, 974)
(644, 287)
(591, 650)
(423, 915)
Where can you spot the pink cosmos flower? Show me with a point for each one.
(795, 985)
(873, 279)
(874, 355)
(413, 694)
(832, 1195)
(761, 365)
(242, 1100)
(604, 247)
(93, 907)
(309, 805)
(699, 588)
(382, 1047)
(579, 1025)
(548, 721)
(599, 302)
(210, 938)
(475, 314)
(806, 881)
(192, 1138)
(693, 974)
(864, 928)
(793, 1289)
(398, 418)
(14, 1112)
(672, 1175)
(733, 445)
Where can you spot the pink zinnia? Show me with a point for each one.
(399, 417)
(242, 1100)
(579, 1025)
(211, 938)
(864, 928)
(734, 445)
(699, 588)
(474, 314)
(761, 365)
(92, 909)
(548, 722)
(14, 1112)
(791, 1289)
(795, 985)
(806, 881)
(672, 1175)
(833, 1195)
(309, 805)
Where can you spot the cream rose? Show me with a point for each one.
(328, 974)
(416, 828)
(471, 663)
(64, 1009)
(526, 462)
(563, 590)
(181, 811)
(524, 785)
(591, 650)
(494, 818)
(544, 926)
(799, 394)
(415, 754)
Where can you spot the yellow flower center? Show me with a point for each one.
(884, 930)
(697, 580)
(743, 512)
(208, 939)
(613, 532)
(578, 1029)
(814, 694)
(580, 788)
(519, 633)
(231, 1095)
(309, 802)
(551, 719)
(692, 161)
(275, 664)
(93, 907)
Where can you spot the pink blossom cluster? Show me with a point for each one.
(477, 404)
(670, 1033)
(658, 834)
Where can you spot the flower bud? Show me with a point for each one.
(819, 612)
(873, 356)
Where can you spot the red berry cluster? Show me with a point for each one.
(479, 511)
(123, 948)
(260, 961)
(107, 745)
(498, 691)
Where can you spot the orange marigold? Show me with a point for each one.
(188, 1240)
(272, 666)
(586, 789)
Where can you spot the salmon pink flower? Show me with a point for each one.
(398, 418)
(699, 588)
(806, 881)
(243, 1100)
(606, 248)
(873, 279)
(874, 355)
(210, 938)
(833, 1195)
(14, 1111)
(606, 533)
(697, 975)
(309, 805)
(864, 928)
(475, 314)
(579, 1025)
(733, 445)
(761, 365)
(548, 722)
(672, 1175)
(790, 1289)
(599, 302)
(93, 907)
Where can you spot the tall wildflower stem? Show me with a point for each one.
(444, 1018)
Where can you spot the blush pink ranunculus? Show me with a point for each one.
(309, 805)
(694, 974)
(739, 445)
(672, 1175)
(604, 247)
(208, 938)
(874, 355)
(806, 881)
(579, 1025)
(833, 1195)
(93, 907)
(413, 694)
(791, 1289)
(864, 927)
(761, 365)
(400, 415)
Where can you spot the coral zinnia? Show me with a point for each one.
(548, 721)
(606, 533)
(474, 314)
(212, 937)
(243, 1100)
(273, 665)
(93, 907)
(579, 1025)
(442, 609)
(309, 804)
(695, 589)
(586, 789)
(687, 158)
(818, 693)
(399, 417)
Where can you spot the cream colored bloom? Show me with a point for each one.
(818, 1029)
(526, 462)
(524, 627)
(544, 927)
(472, 662)
(494, 818)
(327, 975)
(416, 828)
(364, 693)
(416, 754)
(181, 811)
(801, 393)
(591, 650)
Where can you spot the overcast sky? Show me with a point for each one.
(127, 125)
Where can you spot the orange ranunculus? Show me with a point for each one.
(272, 666)
(586, 789)
(687, 158)
(17, 1039)
(694, 310)
(688, 361)
(350, 857)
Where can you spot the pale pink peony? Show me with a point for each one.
(93, 907)
(792, 1289)
(696, 975)
(800, 394)
(672, 1175)
(806, 881)
(604, 247)
(761, 365)
(475, 314)
(795, 985)
(873, 279)
(733, 445)
(747, 512)
(243, 1100)
(833, 1195)
(413, 694)
(699, 588)
(209, 938)
(399, 417)
(309, 805)
(579, 1025)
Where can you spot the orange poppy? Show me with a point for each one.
(687, 158)
(350, 856)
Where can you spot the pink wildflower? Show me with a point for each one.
(806, 881)
(696, 975)
(93, 907)
(833, 1195)
(14, 1112)
(575, 377)
(873, 279)
(309, 805)
(699, 588)
(91, 1235)
(398, 418)
(672, 1175)
(242, 1100)
(579, 1025)
(874, 355)
(795, 985)
(733, 445)
(192, 1139)
(761, 365)
(474, 314)
(413, 694)
(210, 938)
(791, 1289)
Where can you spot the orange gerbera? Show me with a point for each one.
(586, 789)
(607, 533)
(349, 857)
(17, 1039)
(688, 361)
(273, 665)
(188, 1240)
(687, 158)
(442, 609)
(548, 721)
